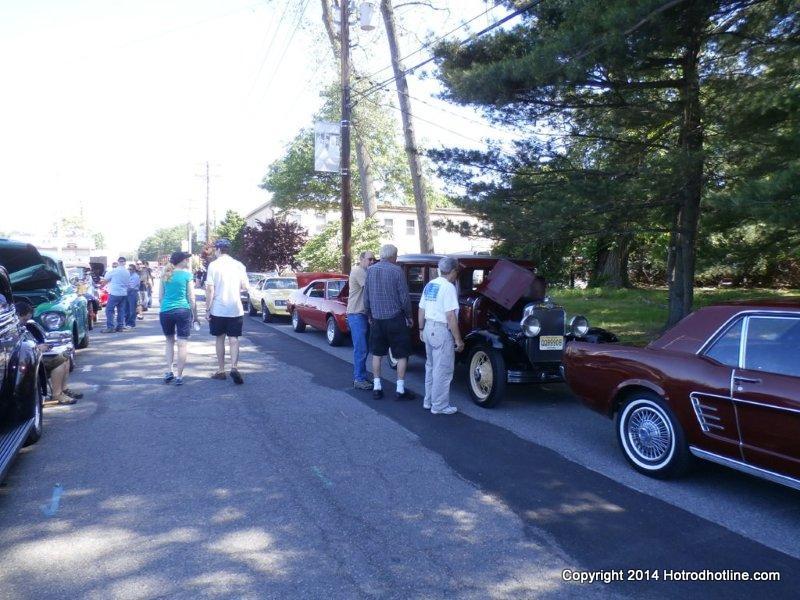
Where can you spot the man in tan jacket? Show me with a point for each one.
(357, 319)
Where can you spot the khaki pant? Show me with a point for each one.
(441, 354)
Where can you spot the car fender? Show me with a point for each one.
(629, 384)
(482, 337)
(24, 363)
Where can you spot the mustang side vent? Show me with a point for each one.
(705, 416)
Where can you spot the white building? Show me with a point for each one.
(400, 223)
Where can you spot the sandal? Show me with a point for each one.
(71, 394)
(168, 376)
(63, 400)
(237, 377)
(179, 381)
(219, 375)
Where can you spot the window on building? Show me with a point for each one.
(411, 228)
(388, 224)
(322, 221)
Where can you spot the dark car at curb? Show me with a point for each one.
(23, 384)
(722, 385)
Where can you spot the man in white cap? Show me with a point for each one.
(438, 322)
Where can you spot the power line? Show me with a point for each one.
(440, 38)
(269, 47)
(476, 35)
(286, 48)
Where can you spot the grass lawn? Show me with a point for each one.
(637, 316)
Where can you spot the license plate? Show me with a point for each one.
(280, 302)
(551, 342)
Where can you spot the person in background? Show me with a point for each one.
(226, 278)
(438, 322)
(133, 295)
(357, 319)
(146, 287)
(388, 307)
(178, 311)
(56, 366)
(117, 280)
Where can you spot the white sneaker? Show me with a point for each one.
(447, 410)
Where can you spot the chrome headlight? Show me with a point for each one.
(53, 320)
(531, 326)
(579, 326)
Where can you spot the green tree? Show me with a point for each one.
(638, 94)
(232, 228)
(163, 242)
(295, 185)
(323, 252)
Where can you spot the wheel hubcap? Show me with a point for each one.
(649, 434)
(330, 330)
(482, 374)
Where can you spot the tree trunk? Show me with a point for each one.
(366, 184)
(611, 264)
(423, 217)
(681, 285)
(363, 160)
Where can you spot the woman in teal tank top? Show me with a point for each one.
(178, 311)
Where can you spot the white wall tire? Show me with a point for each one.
(650, 436)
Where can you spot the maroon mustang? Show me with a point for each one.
(723, 385)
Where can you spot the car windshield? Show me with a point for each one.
(281, 284)
(255, 277)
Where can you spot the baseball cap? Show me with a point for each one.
(222, 243)
(178, 257)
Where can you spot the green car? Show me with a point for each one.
(42, 281)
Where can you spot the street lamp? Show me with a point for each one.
(367, 11)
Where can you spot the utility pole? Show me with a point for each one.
(208, 203)
(363, 159)
(344, 166)
(423, 216)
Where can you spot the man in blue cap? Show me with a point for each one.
(225, 280)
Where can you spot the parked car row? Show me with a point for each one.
(63, 316)
(723, 385)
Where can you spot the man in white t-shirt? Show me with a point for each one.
(225, 280)
(438, 322)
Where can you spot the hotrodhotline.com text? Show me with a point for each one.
(666, 575)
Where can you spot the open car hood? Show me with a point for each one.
(35, 277)
(507, 283)
(27, 269)
(16, 256)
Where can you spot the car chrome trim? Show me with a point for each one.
(765, 405)
(775, 313)
(746, 468)
(702, 412)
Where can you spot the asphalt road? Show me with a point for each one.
(294, 485)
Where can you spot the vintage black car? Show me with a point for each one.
(513, 332)
(23, 383)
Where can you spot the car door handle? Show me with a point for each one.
(740, 379)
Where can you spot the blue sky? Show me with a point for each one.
(115, 105)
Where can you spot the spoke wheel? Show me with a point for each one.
(487, 376)
(651, 437)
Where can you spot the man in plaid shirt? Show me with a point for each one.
(388, 307)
